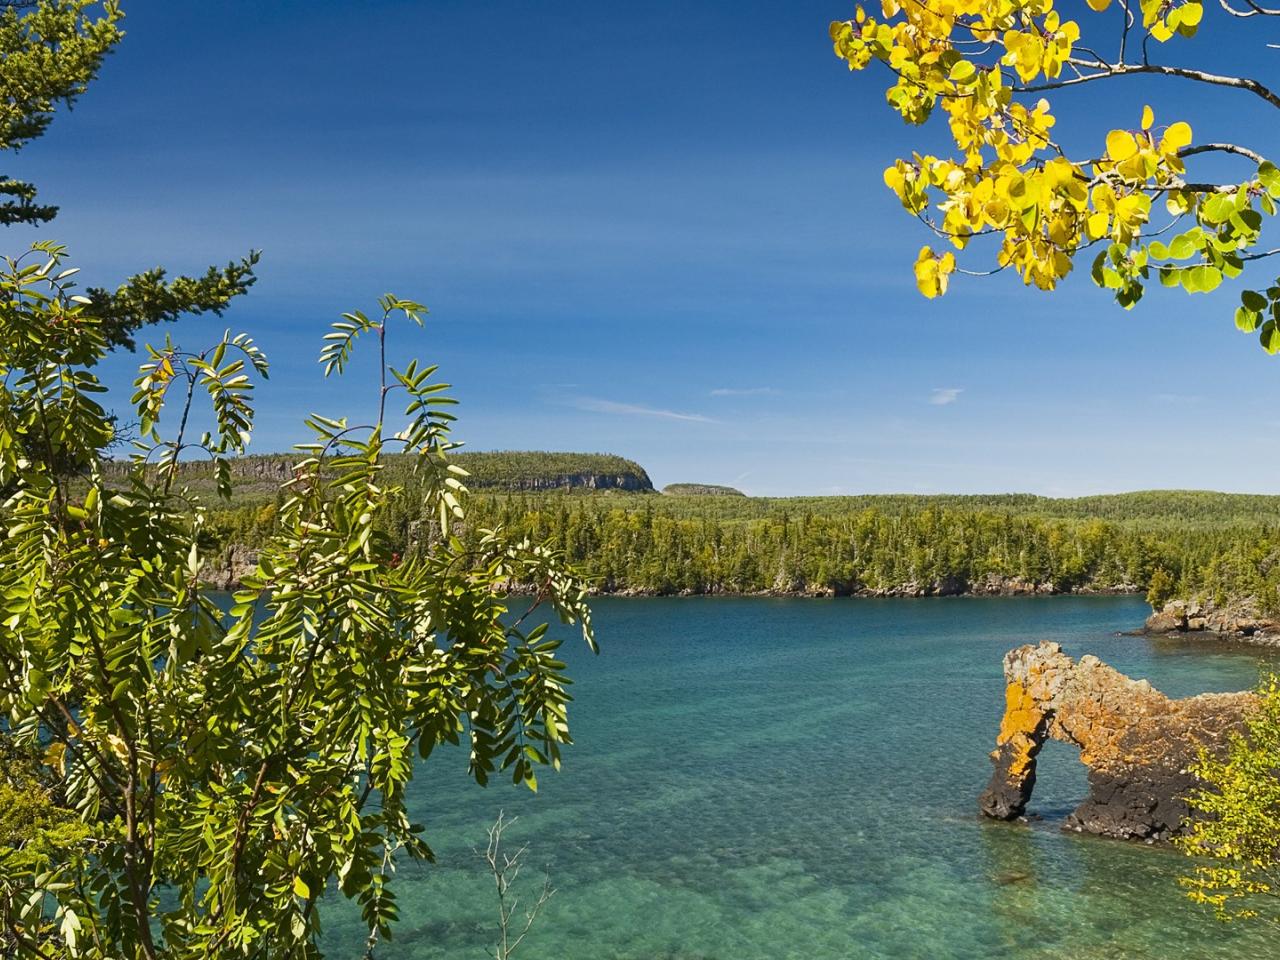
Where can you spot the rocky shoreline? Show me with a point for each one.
(907, 591)
(238, 561)
(1238, 621)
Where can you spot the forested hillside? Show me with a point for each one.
(907, 545)
(701, 490)
(1189, 543)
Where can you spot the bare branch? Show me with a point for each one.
(1106, 70)
(1253, 11)
(505, 869)
(1223, 148)
(1128, 25)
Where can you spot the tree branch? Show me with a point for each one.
(1253, 11)
(1106, 70)
(1223, 148)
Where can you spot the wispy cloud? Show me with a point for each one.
(596, 405)
(942, 396)
(745, 392)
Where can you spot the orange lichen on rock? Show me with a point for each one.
(1136, 742)
(1020, 727)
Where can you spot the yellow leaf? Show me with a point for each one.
(1132, 210)
(1192, 14)
(926, 270)
(1097, 224)
(1160, 30)
(1121, 145)
(1176, 137)
(1148, 118)
(301, 889)
(931, 273)
(1098, 5)
(163, 768)
(56, 756)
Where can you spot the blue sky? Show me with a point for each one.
(656, 229)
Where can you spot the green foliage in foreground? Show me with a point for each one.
(1239, 825)
(218, 777)
(35, 823)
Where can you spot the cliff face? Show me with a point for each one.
(227, 570)
(518, 471)
(1136, 742)
(265, 469)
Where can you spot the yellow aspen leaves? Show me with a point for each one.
(1062, 37)
(1121, 146)
(1025, 53)
(904, 179)
(1177, 136)
(932, 272)
(976, 59)
(1163, 19)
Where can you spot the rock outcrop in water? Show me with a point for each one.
(1136, 742)
(226, 570)
(1237, 620)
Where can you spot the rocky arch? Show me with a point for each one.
(1136, 742)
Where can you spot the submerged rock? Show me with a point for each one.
(1136, 742)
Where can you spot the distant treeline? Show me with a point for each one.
(1186, 543)
(701, 490)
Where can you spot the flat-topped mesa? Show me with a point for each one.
(1136, 742)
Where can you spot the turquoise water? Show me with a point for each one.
(774, 779)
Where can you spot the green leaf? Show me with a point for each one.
(301, 889)
(1183, 246)
(1269, 177)
(1217, 208)
(1247, 320)
(1202, 279)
